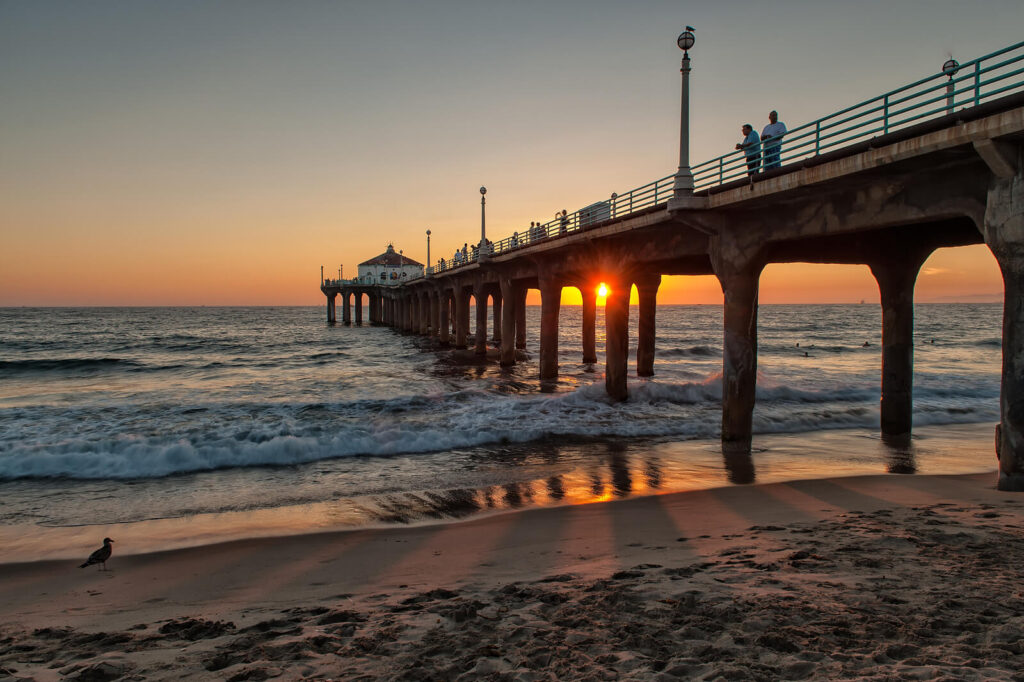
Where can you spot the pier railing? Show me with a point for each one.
(998, 74)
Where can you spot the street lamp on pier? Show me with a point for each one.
(430, 268)
(482, 250)
(682, 188)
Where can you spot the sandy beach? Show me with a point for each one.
(878, 577)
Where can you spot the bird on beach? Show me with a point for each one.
(100, 556)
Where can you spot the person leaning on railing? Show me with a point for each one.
(751, 146)
(774, 132)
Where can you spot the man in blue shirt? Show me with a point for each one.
(774, 132)
(751, 146)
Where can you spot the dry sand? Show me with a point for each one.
(880, 578)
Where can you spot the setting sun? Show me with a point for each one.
(602, 290)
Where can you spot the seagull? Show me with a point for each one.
(100, 556)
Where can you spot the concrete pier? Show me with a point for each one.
(480, 336)
(551, 300)
(647, 293)
(739, 357)
(461, 317)
(496, 317)
(331, 317)
(886, 202)
(444, 318)
(1003, 228)
(589, 330)
(519, 305)
(616, 316)
(896, 276)
(508, 322)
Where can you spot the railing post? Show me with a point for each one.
(977, 83)
(721, 170)
(817, 137)
(885, 114)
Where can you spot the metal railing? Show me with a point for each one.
(997, 74)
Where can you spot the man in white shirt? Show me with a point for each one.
(773, 131)
(751, 146)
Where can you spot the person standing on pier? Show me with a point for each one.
(751, 146)
(774, 132)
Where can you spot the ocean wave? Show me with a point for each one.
(691, 352)
(291, 434)
(63, 365)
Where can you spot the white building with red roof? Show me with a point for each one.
(390, 267)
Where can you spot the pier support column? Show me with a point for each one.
(435, 315)
(359, 308)
(424, 314)
(616, 345)
(508, 323)
(896, 277)
(647, 292)
(739, 277)
(331, 314)
(461, 316)
(371, 308)
(1004, 233)
(444, 324)
(550, 304)
(346, 308)
(589, 331)
(520, 312)
(496, 299)
(480, 336)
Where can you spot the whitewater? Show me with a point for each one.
(126, 415)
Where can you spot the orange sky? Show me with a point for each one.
(196, 153)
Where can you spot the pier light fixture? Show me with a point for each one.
(429, 268)
(683, 186)
(685, 40)
(951, 67)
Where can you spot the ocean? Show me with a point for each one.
(171, 427)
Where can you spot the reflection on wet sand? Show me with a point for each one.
(576, 474)
(739, 466)
(900, 454)
(614, 473)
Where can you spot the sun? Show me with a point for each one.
(602, 289)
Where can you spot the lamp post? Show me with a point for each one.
(950, 67)
(483, 224)
(430, 268)
(683, 186)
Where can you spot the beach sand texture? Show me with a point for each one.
(873, 578)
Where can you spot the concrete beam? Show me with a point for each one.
(999, 157)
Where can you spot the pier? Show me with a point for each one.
(937, 163)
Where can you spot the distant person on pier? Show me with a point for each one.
(563, 222)
(515, 239)
(751, 146)
(774, 132)
(465, 252)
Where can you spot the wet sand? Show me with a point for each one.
(875, 577)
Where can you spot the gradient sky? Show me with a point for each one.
(218, 153)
